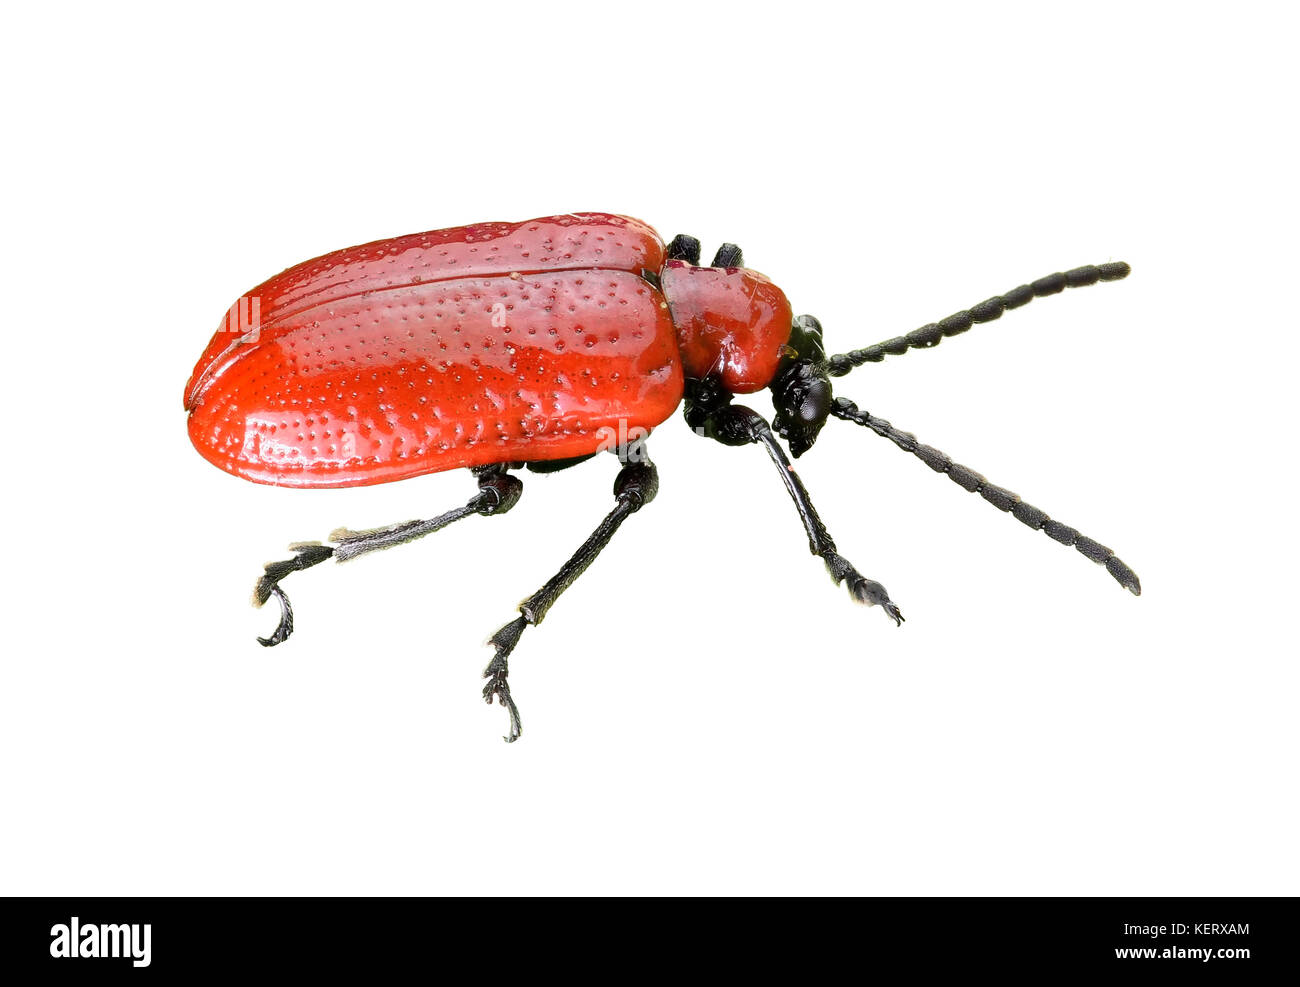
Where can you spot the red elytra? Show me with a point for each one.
(481, 344)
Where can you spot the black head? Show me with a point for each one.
(801, 389)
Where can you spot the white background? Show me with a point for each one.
(704, 712)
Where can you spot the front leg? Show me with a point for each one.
(734, 424)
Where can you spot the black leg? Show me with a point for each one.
(634, 487)
(734, 424)
(309, 553)
(985, 311)
(497, 493)
(1003, 500)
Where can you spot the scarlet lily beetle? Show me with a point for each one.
(503, 346)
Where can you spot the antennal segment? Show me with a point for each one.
(985, 311)
(1002, 499)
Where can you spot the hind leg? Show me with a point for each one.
(497, 493)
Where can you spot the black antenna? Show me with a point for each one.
(985, 311)
(1002, 499)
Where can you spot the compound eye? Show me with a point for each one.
(816, 405)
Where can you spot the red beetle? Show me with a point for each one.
(500, 346)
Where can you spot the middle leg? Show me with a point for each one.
(634, 487)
